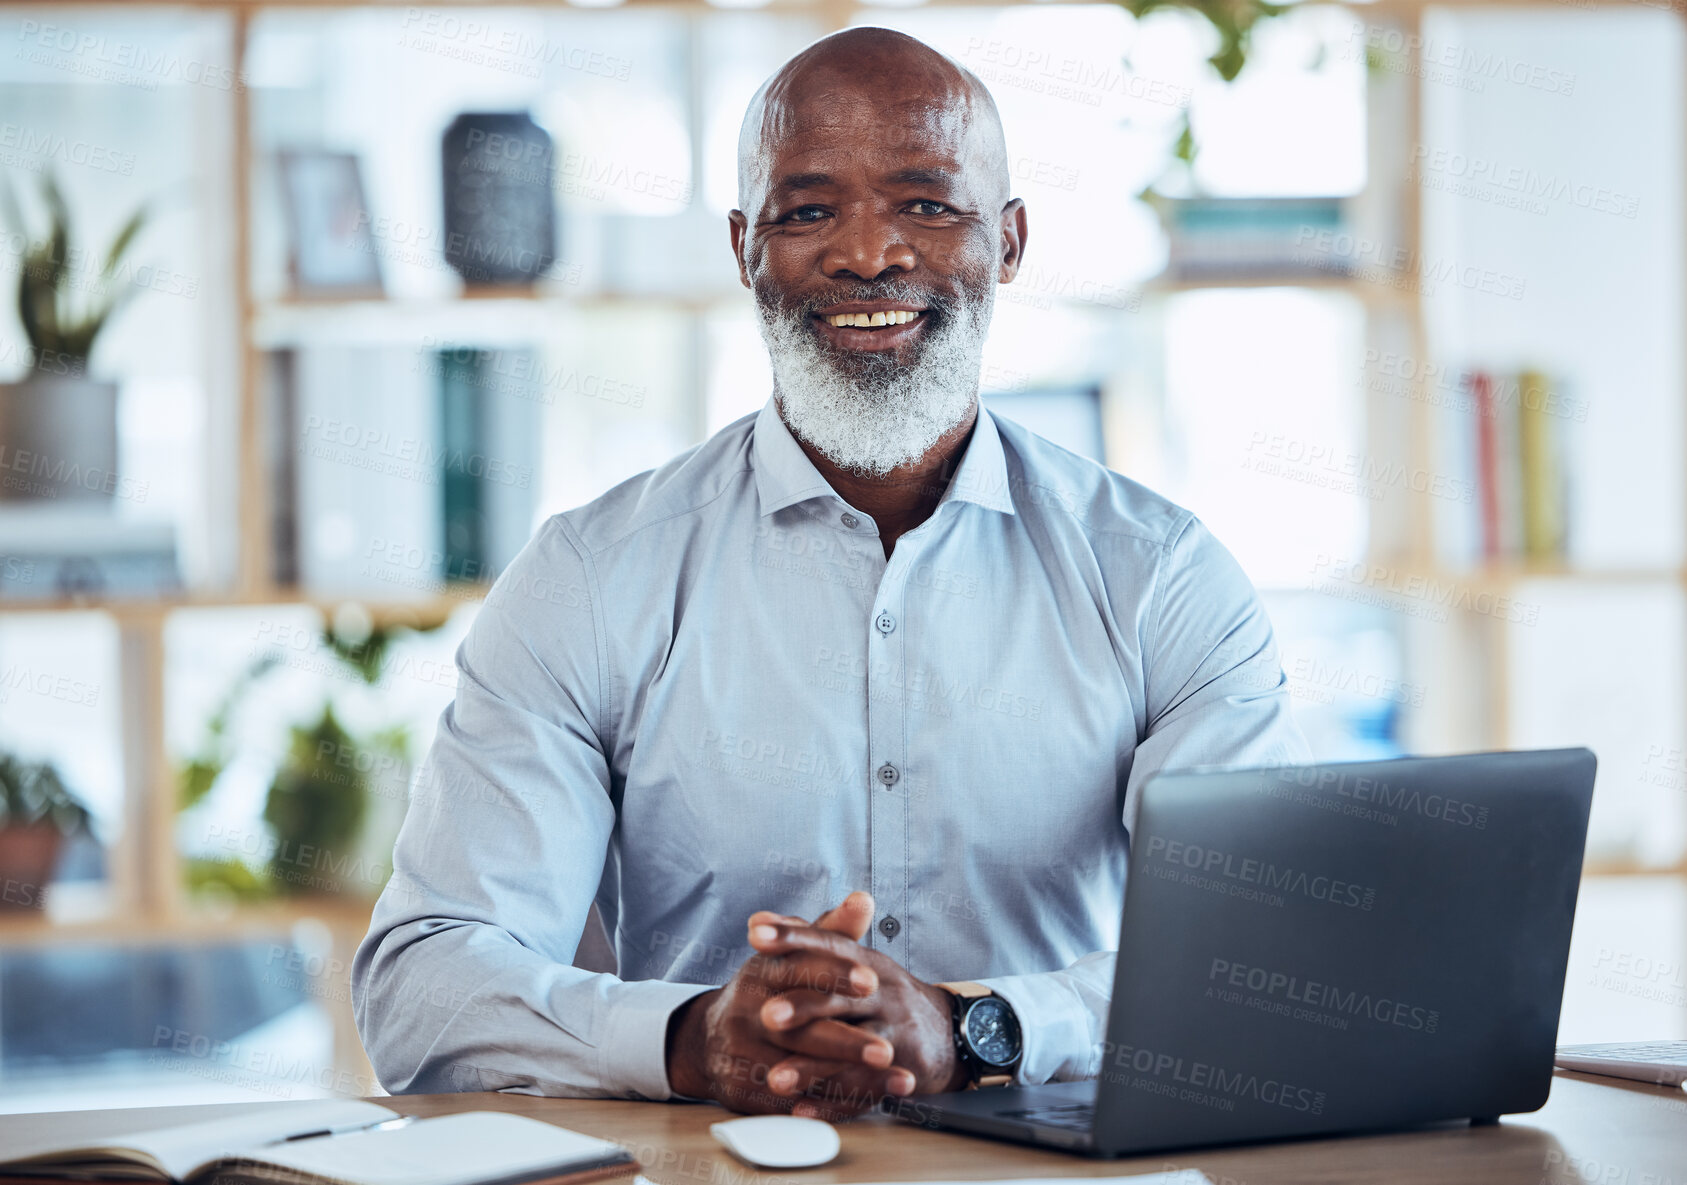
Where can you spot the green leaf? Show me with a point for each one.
(225, 878)
(58, 213)
(194, 781)
(316, 806)
(45, 290)
(1186, 149)
(124, 237)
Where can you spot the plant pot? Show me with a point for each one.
(58, 439)
(28, 856)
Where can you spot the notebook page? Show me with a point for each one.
(450, 1150)
(183, 1148)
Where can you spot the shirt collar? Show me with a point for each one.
(983, 475)
(785, 475)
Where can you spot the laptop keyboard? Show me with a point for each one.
(1075, 1116)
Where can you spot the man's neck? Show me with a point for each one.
(906, 496)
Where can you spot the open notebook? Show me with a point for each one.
(335, 1142)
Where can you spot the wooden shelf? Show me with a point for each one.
(481, 318)
(1318, 281)
(193, 924)
(1505, 577)
(424, 613)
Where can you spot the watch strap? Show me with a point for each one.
(961, 990)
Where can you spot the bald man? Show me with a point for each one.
(841, 717)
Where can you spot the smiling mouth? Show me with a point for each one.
(878, 320)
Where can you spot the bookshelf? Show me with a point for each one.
(146, 897)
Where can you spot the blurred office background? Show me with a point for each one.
(1390, 294)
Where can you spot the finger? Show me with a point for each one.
(768, 917)
(821, 1090)
(740, 1078)
(837, 1100)
(817, 972)
(841, 1086)
(836, 1041)
(792, 1009)
(781, 939)
(851, 917)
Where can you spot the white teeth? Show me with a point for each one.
(871, 320)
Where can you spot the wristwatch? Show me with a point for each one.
(987, 1037)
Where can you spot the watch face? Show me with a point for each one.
(993, 1031)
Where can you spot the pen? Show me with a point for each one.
(378, 1125)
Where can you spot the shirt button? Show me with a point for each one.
(850, 521)
(886, 623)
(890, 927)
(888, 775)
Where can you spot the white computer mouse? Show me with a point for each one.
(778, 1141)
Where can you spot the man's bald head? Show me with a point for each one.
(928, 93)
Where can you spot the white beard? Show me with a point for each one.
(876, 414)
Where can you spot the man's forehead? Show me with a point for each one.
(845, 118)
(870, 92)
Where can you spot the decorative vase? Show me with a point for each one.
(500, 219)
(58, 439)
(28, 856)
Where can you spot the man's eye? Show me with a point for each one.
(928, 207)
(806, 214)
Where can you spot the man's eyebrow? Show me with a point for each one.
(793, 182)
(939, 178)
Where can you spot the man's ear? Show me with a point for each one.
(1013, 240)
(740, 227)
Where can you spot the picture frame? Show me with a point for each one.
(330, 246)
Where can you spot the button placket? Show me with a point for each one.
(887, 733)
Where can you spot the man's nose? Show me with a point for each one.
(866, 246)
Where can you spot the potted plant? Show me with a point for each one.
(64, 419)
(37, 814)
(328, 796)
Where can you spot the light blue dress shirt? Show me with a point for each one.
(708, 693)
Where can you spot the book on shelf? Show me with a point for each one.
(402, 473)
(1541, 455)
(489, 403)
(329, 1142)
(1218, 238)
(1503, 441)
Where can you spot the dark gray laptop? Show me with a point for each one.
(1320, 949)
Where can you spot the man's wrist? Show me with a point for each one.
(960, 1074)
(686, 1045)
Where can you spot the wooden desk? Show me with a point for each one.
(1602, 1131)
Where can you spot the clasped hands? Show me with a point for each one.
(814, 1024)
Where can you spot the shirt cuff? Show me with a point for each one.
(1056, 1044)
(633, 1059)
